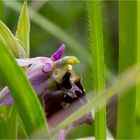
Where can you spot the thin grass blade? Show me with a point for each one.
(98, 64)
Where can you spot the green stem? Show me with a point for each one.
(127, 57)
(97, 50)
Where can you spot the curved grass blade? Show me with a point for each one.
(98, 64)
(124, 82)
(24, 96)
(23, 29)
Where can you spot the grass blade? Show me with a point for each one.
(127, 57)
(23, 29)
(97, 49)
(24, 96)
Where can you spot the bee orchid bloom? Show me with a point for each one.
(54, 81)
(37, 73)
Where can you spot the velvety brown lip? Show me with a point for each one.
(58, 117)
(69, 92)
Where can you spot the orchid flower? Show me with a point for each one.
(54, 80)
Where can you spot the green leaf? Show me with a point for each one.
(10, 41)
(24, 96)
(23, 29)
(98, 64)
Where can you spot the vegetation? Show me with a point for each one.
(98, 34)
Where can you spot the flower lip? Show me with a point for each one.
(68, 92)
